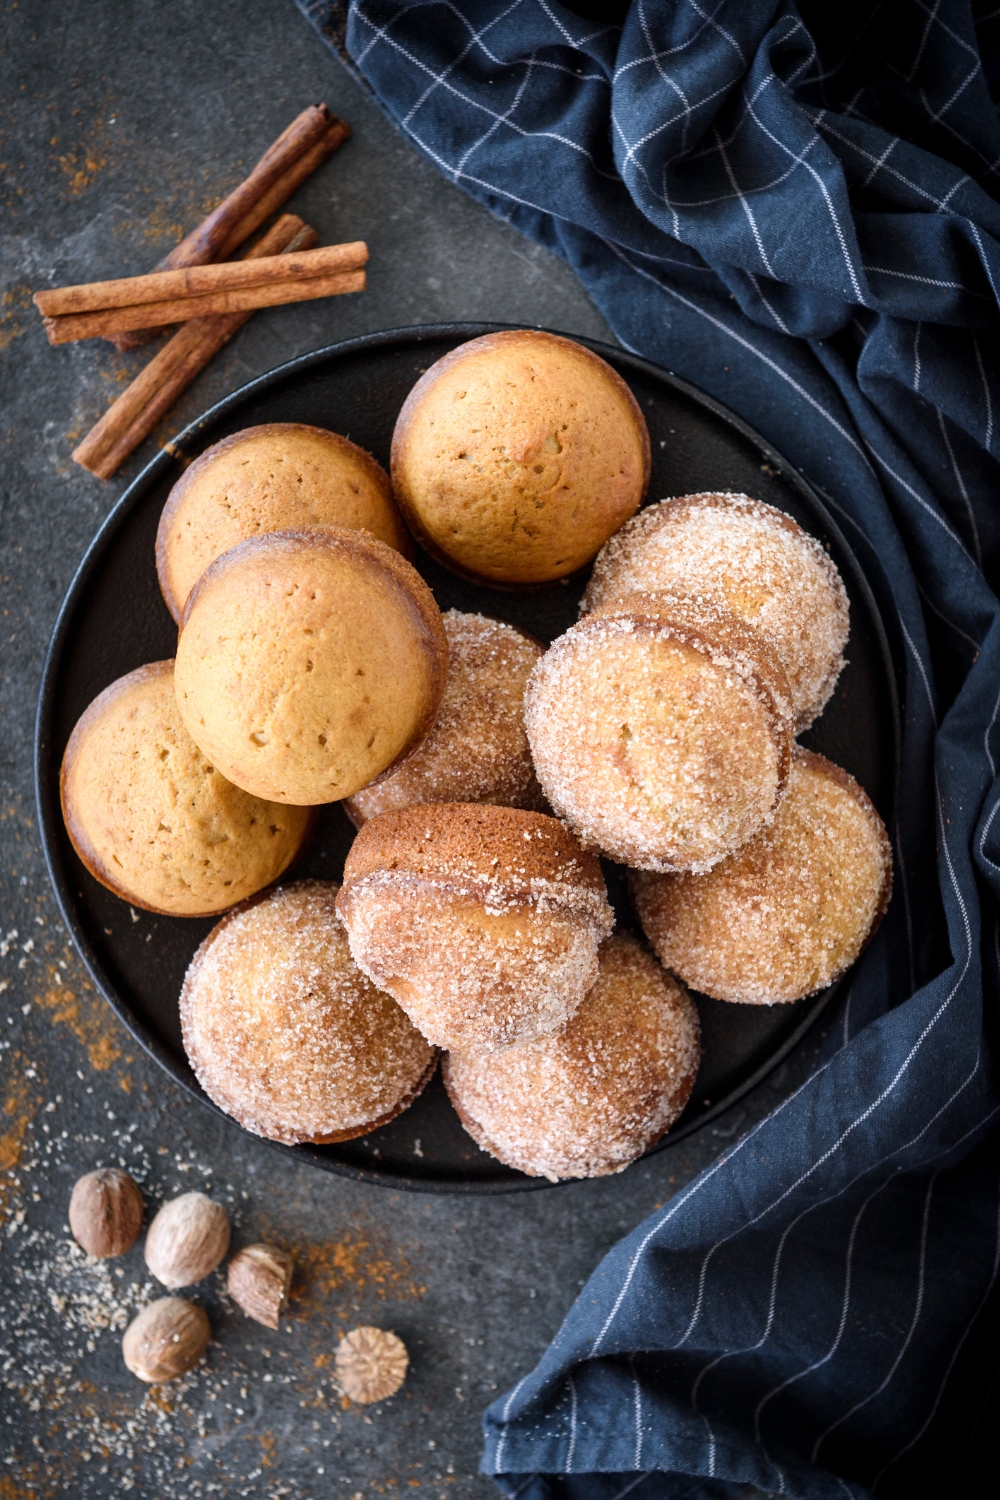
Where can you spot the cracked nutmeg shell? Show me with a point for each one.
(187, 1239)
(165, 1340)
(105, 1212)
(371, 1364)
(259, 1278)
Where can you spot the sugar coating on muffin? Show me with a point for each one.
(788, 913)
(286, 1034)
(590, 1098)
(661, 731)
(477, 750)
(153, 819)
(309, 662)
(752, 559)
(517, 455)
(483, 922)
(271, 478)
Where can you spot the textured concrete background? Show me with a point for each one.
(120, 125)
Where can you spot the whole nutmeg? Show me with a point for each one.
(105, 1212)
(371, 1364)
(165, 1340)
(187, 1239)
(259, 1278)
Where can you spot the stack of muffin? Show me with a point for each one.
(313, 665)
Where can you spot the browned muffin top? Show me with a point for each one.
(469, 841)
(153, 819)
(517, 455)
(269, 478)
(309, 662)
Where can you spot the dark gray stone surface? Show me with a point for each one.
(120, 124)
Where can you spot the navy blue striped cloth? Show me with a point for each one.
(796, 207)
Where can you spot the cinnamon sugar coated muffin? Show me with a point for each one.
(309, 662)
(753, 560)
(661, 731)
(792, 910)
(483, 922)
(516, 455)
(270, 478)
(285, 1033)
(590, 1098)
(153, 819)
(477, 750)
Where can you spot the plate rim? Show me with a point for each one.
(174, 451)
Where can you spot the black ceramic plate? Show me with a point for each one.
(114, 620)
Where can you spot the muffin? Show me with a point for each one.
(590, 1098)
(477, 750)
(483, 922)
(661, 731)
(283, 1031)
(792, 910)
(153, 820)
(517, 455)
(272, 478)
(749, 558)
(309, 662)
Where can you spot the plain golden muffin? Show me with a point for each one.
(753, 560)
(309, 662)
(661, 730)
(153, 819)
(477, 750)
(286, 1034)
(589, 1098)
(272, 478)
(517, 455)
(789, 912)
(483, 922)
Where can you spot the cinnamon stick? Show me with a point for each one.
(191, 283)
(275, 293)
(206, 243)
(285, 165)
(137, 410)
(280, 191)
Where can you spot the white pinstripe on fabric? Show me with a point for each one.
(847, 1013)
(918, 1305)
(459, 57)
(988, 436)
(932, 15)
(503, 119)
(637, 1408)
(498, 1457)
(961, 485)
(970, 640)
(745, 206)
(721, 30)
(638, 62)
(821, 122)
(572, 1424)
(842, 1324)
(661, 70)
